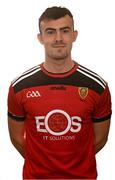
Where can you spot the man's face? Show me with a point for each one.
(57, 37)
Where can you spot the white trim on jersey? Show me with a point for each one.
(90, 76)
(30, 70)
(25, 76)
(96, 75)
(35, 67)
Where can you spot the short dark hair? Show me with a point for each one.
(54, 13)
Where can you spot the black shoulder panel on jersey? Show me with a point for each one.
(77, 78)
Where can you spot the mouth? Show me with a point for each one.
(59, 46)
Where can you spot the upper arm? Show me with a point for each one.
(17, 134)
(16, 129)
(102, 115)
(101, 131)
(16, 119)
(16, 115)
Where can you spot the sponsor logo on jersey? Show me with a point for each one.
(57, 123)
(58, 87)
(32, 94)
(83, 92)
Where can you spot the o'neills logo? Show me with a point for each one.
(83, 92)
(58, 122)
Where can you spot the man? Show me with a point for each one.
(59, 111)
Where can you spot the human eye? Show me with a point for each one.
(66, 31)
(50, 32)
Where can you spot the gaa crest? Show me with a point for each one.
(83, 92)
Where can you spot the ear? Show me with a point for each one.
(75, 34)
(40, 39)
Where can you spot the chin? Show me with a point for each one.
(60, 58)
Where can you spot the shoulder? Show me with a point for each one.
(25, 78)
(91, 79)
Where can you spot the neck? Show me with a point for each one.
(58, 66)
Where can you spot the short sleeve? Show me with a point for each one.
(103, 109)
(15, 109)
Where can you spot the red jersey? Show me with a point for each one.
(59, 111)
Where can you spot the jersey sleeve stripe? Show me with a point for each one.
(26, 72)
(96, 120)
(17, 118)
(34, 68)
(90, 76)
(93, 74)
(25, 76)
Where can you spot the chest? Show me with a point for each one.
(75, 101)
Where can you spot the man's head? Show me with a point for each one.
(57, 32)
(54, 13)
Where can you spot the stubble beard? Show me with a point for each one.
(59, 55)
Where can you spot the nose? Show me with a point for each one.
(58, 36)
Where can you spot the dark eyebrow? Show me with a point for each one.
(53, 29)
(47, 29)
(66, 27)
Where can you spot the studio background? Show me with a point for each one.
(20, 50)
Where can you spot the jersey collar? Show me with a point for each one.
(60, 75)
